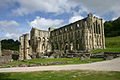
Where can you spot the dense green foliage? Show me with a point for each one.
(10, 44)
(112, 28)
(61, 75)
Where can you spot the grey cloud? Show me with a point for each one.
(99, 7)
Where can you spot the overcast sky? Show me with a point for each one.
(18, 16)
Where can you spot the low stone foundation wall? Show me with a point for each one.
(5, 59)
(106, 55)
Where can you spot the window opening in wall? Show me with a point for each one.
(60, 31)
(43, 39)
(39, 38)
(43, 46)
(71, 27)
(99, 28)
(78, 25)
(65, 29)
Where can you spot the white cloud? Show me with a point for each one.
(6, 23)
(99, 7)
(114, 18)
(44, 24)
(75, 18)
(8, 26)
(9, 29)
(54, 6)
(10, 36)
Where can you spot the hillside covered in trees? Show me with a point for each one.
(112, 28)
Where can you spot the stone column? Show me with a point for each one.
(24, 47)
(103, 36)
(85, 36)
(92, 26)
(21, 48)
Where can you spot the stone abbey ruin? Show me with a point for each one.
(72, 39)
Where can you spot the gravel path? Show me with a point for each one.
(110, 65)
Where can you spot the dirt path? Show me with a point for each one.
(110, 65)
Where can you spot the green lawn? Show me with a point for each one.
(112, 44)
(61, 75)
(71, 61)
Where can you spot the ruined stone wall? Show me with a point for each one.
(39, 41)
(24, 47)
(69, 37)
(5, 59)
(95, 33)
(84, 34)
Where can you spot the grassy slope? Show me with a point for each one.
(61, 75)
(112, 44)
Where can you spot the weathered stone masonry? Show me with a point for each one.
(85, 34)
(82, 35)
(39, 41)
(25, 50)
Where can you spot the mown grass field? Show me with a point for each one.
(112, 44)
(61, 75)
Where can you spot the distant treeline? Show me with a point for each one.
(10, 44)
(112, 28)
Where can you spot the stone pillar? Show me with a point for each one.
(103, 36)
(0, 49)
(21, 48)
(71, 46)
(24, 47)
(85, 36)
(92, 26)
